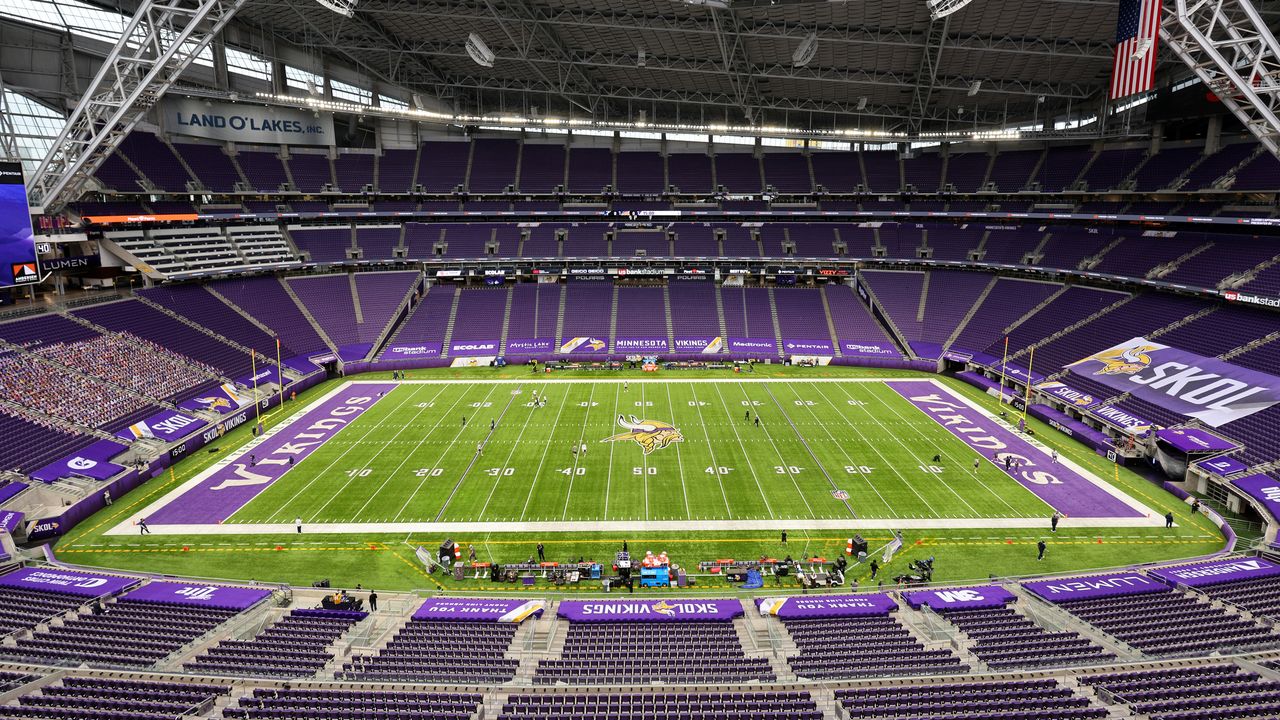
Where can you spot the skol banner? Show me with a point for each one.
(166, 425)
(649, 610)
(245, 123)
(1069, 395)
(1208, 389)
(473, 609)
(704, 344)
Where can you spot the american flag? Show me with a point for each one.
(1137, 30)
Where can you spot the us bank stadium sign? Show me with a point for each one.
(1236, 296)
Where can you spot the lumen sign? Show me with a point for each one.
(246, 123)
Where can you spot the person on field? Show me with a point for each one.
(875, 568)
(1053, 521)
(297, 522)
(373, 600)
(142, 527)
(1168, 519)
(784, 537)
(542, 555)
(464, 421)
(757, 421)
(1040, 548)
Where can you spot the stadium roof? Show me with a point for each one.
(708, 64)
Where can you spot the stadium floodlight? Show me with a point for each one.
(479, 51)
(345, 8)
(975, 87)
(808, 48)
(942, 8)
(862, 103)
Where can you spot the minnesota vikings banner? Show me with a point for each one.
(472, 609)
(1220, 571)
(1068, 395)
(214, 596)
(529, 346)
(970, 598)
(827, 606)
(649, 610)
(1122, 419)
(1095, 586)
(167, 426)
(1208, 389)
(225, 399)
(704, 344)
(583, 345)
(73, 582)
(641, 345)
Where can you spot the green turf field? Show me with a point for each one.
(411, 459)
(713, 435)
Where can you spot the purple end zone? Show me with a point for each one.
(230, 487)
(1059, 486)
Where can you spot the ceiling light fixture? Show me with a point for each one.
(479, 51)
(345, 8)
(808, 48)
(975, 87)
(939, 9)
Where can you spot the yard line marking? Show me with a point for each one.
(716, 463)
(283, 516)
(507, 461)
(546, 446)
(422, 408)
(423, 481)
(608, 482)
(465, 471)
(786, 466)
(876, 449)
(915, 457)
(838, 444)
(679, 462)
(805, 443)
(582, 435)
(644, 461)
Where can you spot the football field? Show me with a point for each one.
(586, 454)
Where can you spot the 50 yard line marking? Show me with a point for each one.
(684, 489)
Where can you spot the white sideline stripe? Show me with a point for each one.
(634, 526)
(1103, 485)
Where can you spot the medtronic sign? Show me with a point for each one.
(246, 123)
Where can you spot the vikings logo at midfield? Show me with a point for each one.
(651, 434)
(1123, 360)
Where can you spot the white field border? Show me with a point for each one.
(128, 526)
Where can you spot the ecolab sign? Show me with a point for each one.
(1236, 296)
